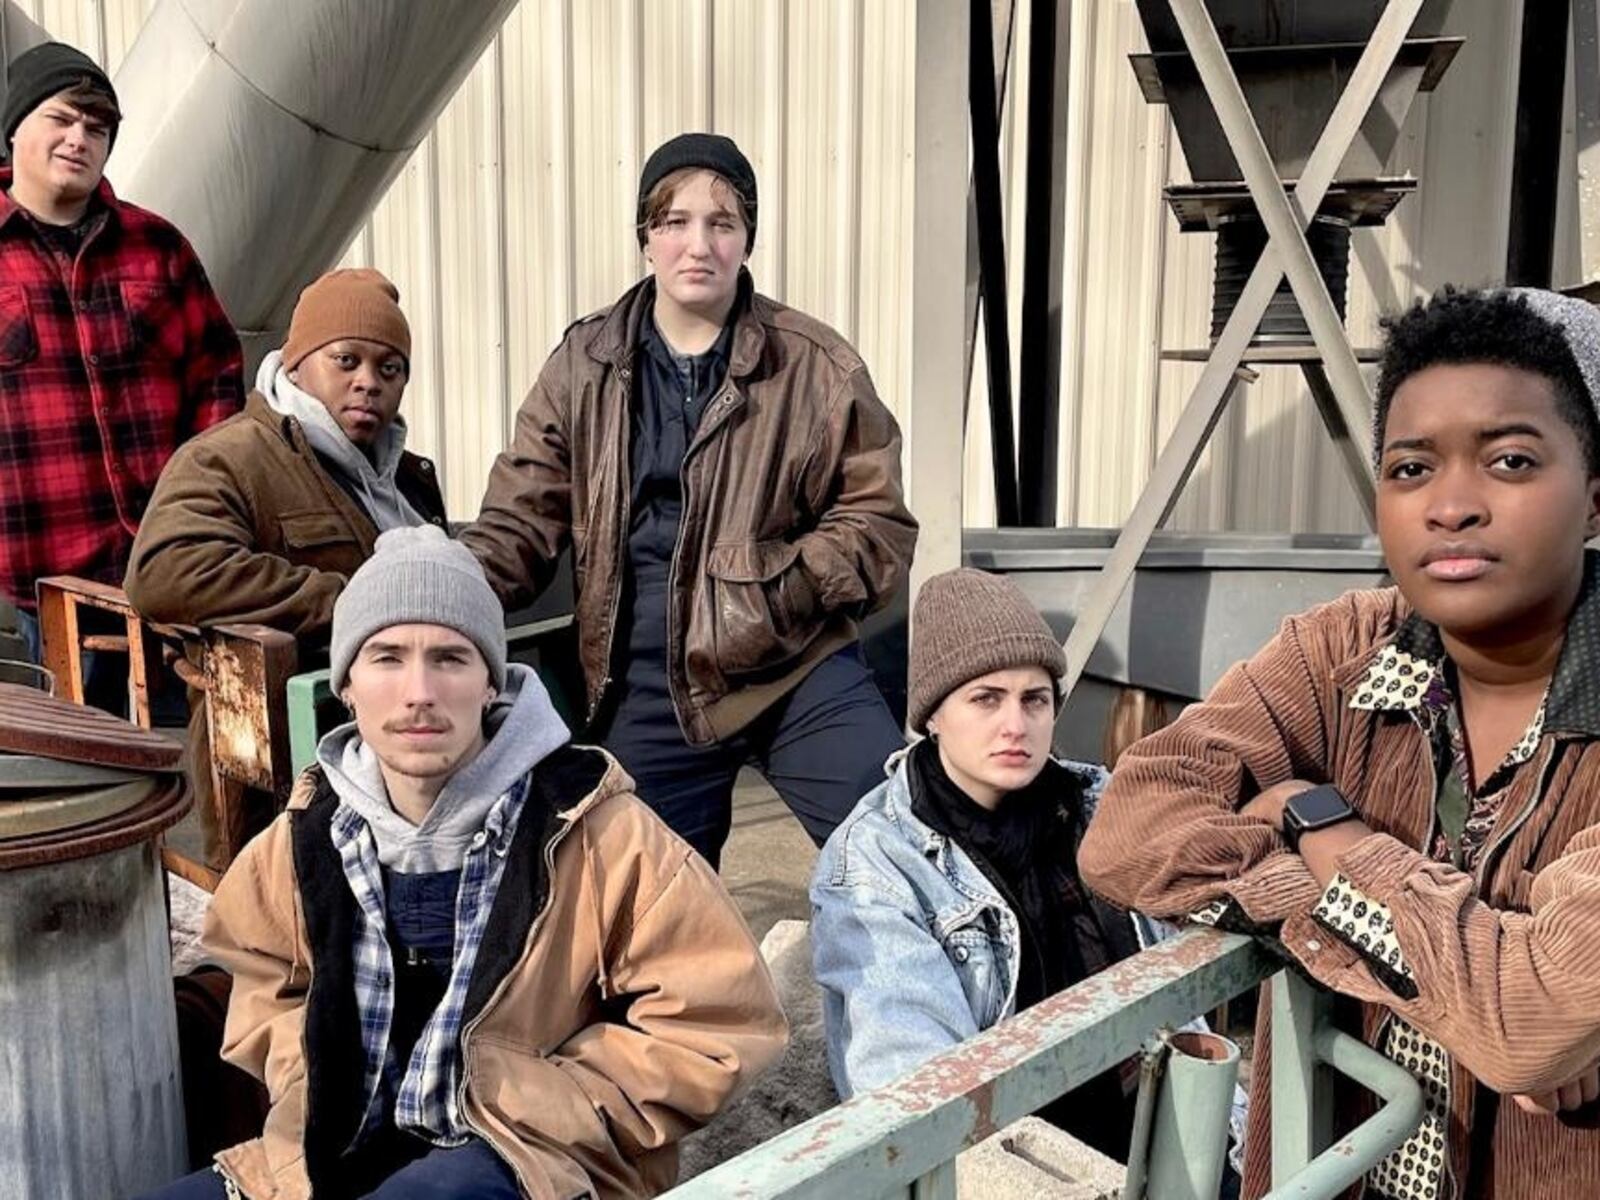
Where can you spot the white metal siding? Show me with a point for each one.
(515, 217)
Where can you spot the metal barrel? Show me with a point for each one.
(91, 1106)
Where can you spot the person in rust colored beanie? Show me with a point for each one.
(968, 623)
(353, 302)
(264, 518)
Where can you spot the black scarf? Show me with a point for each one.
(1027, 848)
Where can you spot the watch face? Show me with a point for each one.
(1319, 805)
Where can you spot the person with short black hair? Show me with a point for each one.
(729, 484)
(113, 348)
(1403, 787)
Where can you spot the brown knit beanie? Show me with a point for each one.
(355, 302)
(967, 623)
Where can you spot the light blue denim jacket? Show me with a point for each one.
(914, 948)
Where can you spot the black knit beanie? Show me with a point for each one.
(42, 72)
(710, 151)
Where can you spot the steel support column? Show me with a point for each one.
(933, 416)
(1286, 252)
(983, 107)
(1536, 156)
(1039, 374)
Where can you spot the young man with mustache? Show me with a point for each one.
(1404, 785)
(467, 961)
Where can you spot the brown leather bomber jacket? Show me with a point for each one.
(793, 526)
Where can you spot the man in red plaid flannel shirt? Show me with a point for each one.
(113, 347)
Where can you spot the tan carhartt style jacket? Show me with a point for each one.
(618, 1002)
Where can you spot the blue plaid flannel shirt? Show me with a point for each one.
(425, 1094)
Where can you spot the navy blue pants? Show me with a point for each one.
(470, 1172)
(822, 747)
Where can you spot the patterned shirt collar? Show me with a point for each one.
(1404, 670)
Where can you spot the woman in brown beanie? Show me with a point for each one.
(950, 898)
(729, 484)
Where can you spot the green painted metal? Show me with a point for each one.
(902, 1139)
(1189, 1141)
(888, 1138)
(1348, 1159)
(305, 692)
(1302, 1120)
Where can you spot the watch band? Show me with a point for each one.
(1316, 808)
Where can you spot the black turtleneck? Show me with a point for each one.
(1025, 848)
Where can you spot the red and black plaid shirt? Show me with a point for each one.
(108, 360)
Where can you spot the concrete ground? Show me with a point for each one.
(767, 862)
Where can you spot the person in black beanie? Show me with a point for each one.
(730, 484)
(113, 347)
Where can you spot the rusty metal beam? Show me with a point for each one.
(887, 1138)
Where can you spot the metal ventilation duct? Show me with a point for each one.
(1293, 60)
(268, 129)
(17, 34)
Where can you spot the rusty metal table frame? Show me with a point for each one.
(901, 1140)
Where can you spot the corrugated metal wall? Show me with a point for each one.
(515, 216)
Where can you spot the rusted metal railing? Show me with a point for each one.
(902, 1139)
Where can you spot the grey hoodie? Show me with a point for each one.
(372, 479)
(523, 727)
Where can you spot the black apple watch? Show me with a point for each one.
(1306, 812)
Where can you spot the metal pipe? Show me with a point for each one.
(302, 111)
(1152, 1066)
(1349, 1158)
(1189, 1140)
(1217, 378)
(1302, 1119)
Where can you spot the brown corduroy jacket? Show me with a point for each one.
(793, 528)
(1505, 965)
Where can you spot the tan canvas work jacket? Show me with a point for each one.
(1500, 968)
(793, 524)
(617, 1002)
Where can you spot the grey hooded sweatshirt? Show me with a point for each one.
(523, 727)
(373, 480)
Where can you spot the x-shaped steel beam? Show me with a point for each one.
(1286, 216)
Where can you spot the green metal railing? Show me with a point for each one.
(902, 1139)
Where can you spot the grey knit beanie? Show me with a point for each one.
(418, 576)
(1579, 323)
(967, 623)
